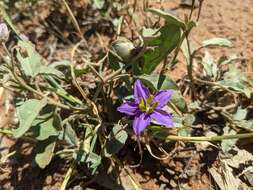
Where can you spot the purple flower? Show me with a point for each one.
(147, 107)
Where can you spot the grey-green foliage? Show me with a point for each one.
(170, 18)
(223, 42)
(44, 151)
(158, 82)
(116, 140)
(47, 127)
(227, 145)
(240, 117)
(31, 61)
(236, 80)
(27, 113)
(92, 159)
(68, 134)
(159, 44)
(99, 4)
(209, 64)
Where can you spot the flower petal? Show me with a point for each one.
(141, 121)
(140, 91)
(129, 108)
(162, 98)
(162, 118)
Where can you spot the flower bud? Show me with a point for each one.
(123, 48)
(4, 32)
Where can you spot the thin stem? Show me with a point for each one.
(68, 175)
(214, 84)
(113, 74)
(73, 19)
(75, 82)
(6, 50)
(190, 67)
(174, 107)
(6, 132)
(164, 66)
(234, 123)
(65, 151)
(93, 70)
(10, 133)
(192, 8)
(200, 8)
(177, 49)
(214, 138)
(131, 177)
(27, 87)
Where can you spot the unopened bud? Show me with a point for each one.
(123, 48)
(4, 32)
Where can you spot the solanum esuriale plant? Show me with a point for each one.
(71, 108)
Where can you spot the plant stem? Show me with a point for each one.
(27, 87)
(213, 138)
(215, 84)
(10, 133)
(65, 151)
(190, 67)
(200, 8)
(73, 19)
(6, 132)
(192, 8)
(177, 49)
(68, 175)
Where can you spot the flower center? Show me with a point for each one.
(146, 105)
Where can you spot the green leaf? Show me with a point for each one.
(47, 128)
(62, 63)
(27, 113)
(188, 120)
(159, 131)
(246, 124)
(60, 91)
(178, 100)
(115, 141)
(223, 42)
(240, 114)
(114, 62)
(158, 82)
(160, 46)
(99, 4)
(150, 36)
(82, 156)
(185, 51)
(69, 135)
(236, 80)
(91, 159)
(45, 150)
(240, 87)
(227, 60)
(170, 19)
(184, 132)
(209, 65)
(31, 61)
(227, 145)
(178, 120)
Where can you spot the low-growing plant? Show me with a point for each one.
(71, 108)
